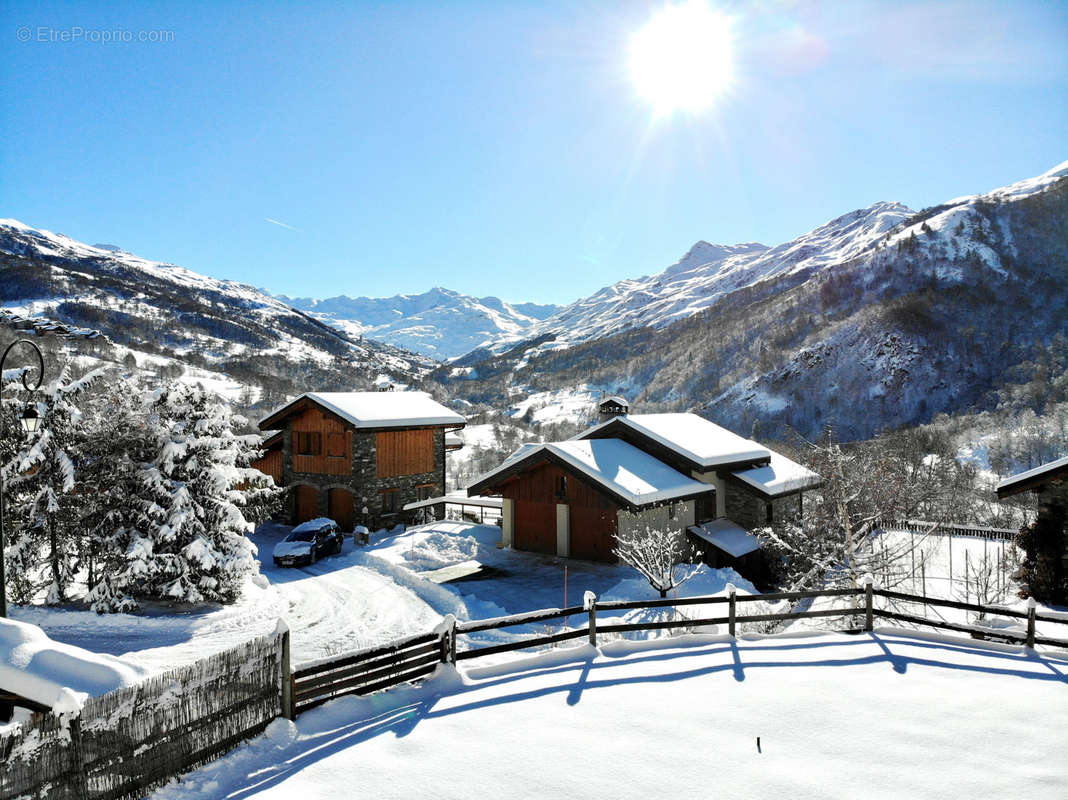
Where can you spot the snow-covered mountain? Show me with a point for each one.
(165, 314)
(881, 317)
(706, 274)
(440, 323)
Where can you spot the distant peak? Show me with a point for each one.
(704, 252)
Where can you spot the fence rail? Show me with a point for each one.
(949, 529)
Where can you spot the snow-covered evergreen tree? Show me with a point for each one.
(203, 498)
(42, 475)
(116, 517)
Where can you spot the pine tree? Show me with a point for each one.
(201, 487)
(43, 475)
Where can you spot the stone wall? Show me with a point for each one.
(749, 509)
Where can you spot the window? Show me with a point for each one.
(561, 486)
(424, 492)
(672, 511)
(389, 501)
(335, 445)
(309, 443)
(768, 512)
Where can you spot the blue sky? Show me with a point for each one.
(501, 148)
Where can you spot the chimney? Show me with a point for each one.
(614, 406)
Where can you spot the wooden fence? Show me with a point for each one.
(415, 657)
(129, 741)
(949, 529)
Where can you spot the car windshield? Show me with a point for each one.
(301, 536)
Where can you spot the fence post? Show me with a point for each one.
(1030, 622)
(590, 601)
(289, 709)
(867, 580)
(452, 642)
(731, 592)
(77, 754)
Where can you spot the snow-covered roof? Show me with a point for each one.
(730, 537)
(1023, 481)
(781, 475)
(39, 669)
(615, 400)
(630, 474)
(380, 409)
(695, 438)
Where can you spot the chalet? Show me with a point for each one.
(1049, 483)
(636, 471)
(358, 457)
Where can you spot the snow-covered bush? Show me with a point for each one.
(657, 553)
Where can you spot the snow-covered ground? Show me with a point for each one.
(362, 597)
(885, 715)
(340, 603)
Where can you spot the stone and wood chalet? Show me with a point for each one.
(358, 457)
(636, 471)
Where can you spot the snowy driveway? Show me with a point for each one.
(340, 603)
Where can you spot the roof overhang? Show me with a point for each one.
(1034, 479)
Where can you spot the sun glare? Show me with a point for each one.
(681, 59)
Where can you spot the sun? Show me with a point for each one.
(681, 59)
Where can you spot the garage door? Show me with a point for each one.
(535, 526)
(307, 504)
(593, 533)
(342, 508)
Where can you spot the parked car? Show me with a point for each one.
(308, 542)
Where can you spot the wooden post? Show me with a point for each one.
(452, 643)
(1030, 622)
(289, 710)
(923, 583)
(868, 581)
(591, 607)
(79, 779)
(967, 596)
(731, 592)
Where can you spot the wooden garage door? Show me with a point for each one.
(342, 509)
(307, 504)
(593, 533)
(535, 526)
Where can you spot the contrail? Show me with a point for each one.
(282, 224)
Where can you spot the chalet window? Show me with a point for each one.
(309, 443)
(768, 512)
(424, 492)
(671, 511)
(389, 501)
(335, 445)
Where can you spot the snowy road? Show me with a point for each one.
(332, 606)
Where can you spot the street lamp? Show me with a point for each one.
(30, 421)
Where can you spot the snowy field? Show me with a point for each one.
(882, 715)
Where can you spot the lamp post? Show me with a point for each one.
(30, 420)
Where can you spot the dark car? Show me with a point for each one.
(308, 542)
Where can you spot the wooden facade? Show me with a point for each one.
(321, 443)
(270, 464)
(406, 452)
(591, 516)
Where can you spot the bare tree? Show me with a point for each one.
(660, 555)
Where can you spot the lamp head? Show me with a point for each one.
(30, 419)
